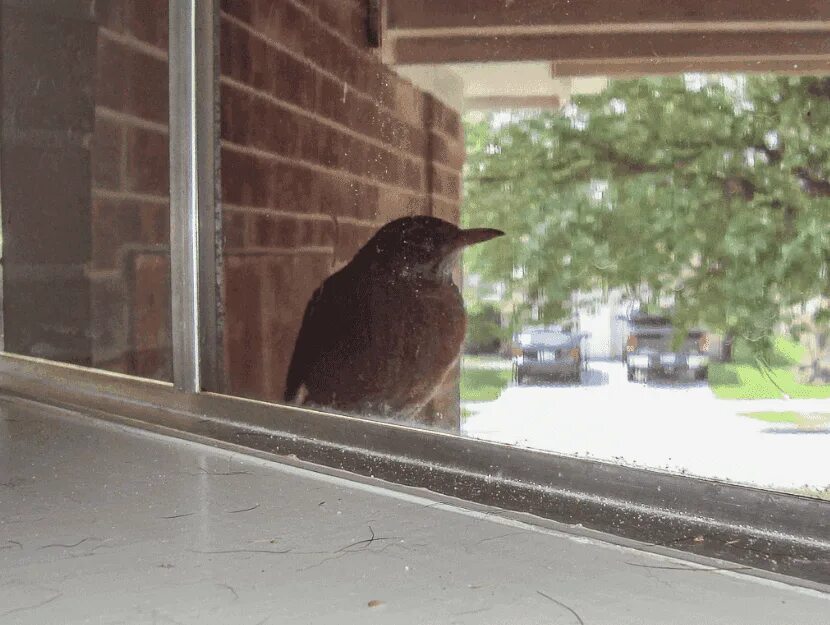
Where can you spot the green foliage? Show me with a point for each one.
(712, 192)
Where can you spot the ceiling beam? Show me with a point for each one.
(704, 35)
(632, 68)
(471, 14)
(805, 45)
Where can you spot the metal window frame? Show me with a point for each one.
(194, 223)
(776, 533)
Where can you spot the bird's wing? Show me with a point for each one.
(329, 315)
(306, 346)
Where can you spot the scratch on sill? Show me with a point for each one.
(484, 540)
(254, 507)
(231, 551)
(229, 587)
(83, 540)
(32, 607)
(563, 606)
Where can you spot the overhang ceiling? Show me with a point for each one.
(540, 51)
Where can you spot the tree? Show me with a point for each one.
(711, 192)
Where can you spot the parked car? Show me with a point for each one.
(650, 352)
(547, 352)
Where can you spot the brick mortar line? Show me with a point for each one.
(232, 82)
(322, 70)
(278, 251)
(455, 140)
(321, 217)
(449, 170)
(134, 43)
(128, 196)
(279, 214)
(131, 120)
(357, 221)
(446, 135)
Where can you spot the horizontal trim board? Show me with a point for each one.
(652, 66)
(776, 532)
(488, 13)
(813, 44)
(610, 28)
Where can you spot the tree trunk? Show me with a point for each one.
(727, 347)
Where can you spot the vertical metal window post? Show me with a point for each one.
(193, 166)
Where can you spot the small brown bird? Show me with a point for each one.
(379, 336)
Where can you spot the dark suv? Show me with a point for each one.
(650, 352)
(547, 352)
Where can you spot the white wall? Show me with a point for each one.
(607, 332)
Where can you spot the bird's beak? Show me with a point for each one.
(477, 235)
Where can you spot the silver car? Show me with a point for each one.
(547, 353)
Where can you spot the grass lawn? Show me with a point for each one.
(811, 492)
(480, 382)
(796, 418)
(743, 379)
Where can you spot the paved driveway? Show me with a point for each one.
(679, 427)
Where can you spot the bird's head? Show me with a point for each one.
(425, 247)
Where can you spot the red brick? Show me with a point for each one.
(346, 18)
(107, 154)
(284, 22)
(446, 151)
(148, 162)
(289, 283)
(243, 326)
(235, 118)
(234, 56)
(350, 238)
(240, 9)
(121, 226)
(155, 224)
(233, 229)
(446, 184)
(131, 82)
(151, 333)
(244, 179)
(444, 119)
(148, 21)
(295, 189)
(445, 209)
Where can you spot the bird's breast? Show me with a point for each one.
(418, 328)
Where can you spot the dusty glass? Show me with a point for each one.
(85, 184)
(641, 203)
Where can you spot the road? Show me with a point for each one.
(680, 427)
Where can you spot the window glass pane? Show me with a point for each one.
(85, 191)
(659, 294)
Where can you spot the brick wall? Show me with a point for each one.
(321, 145)
(130, 277)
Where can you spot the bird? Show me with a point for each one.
(379, 336)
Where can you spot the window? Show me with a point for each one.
(640, 201)
(85, 158)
